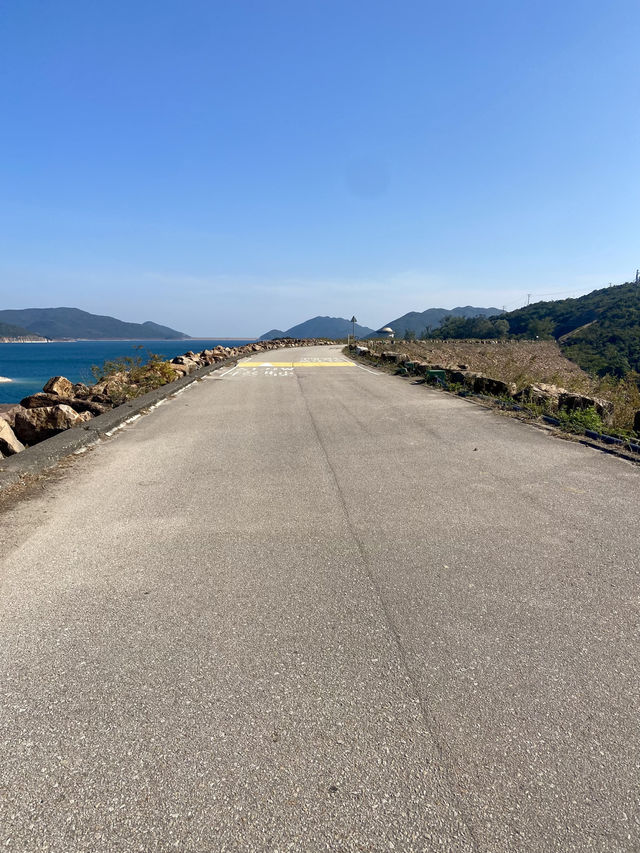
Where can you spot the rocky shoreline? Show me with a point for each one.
(24, 340)
(63, 405)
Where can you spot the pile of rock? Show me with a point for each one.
(190, 361)
(62, 405)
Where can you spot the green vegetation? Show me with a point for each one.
(472, 328)
(580, 420)
(10, 330)
(128, 376)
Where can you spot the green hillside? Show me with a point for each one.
(10, 330)
(599, 331)
(71, 323)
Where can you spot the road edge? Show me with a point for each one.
(46, 454)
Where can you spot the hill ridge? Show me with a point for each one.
(66, 323)
(333, 328)
(431, 318)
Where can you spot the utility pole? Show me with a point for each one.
(637, 276)
(529, 295)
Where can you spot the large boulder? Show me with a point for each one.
(398, 357)
(60, 386)
(101, 398)
(9, 442)
(82, 391)
(34, 425)
(112, 388)
(578, 402)
(184, 364)
(469, 378)
(493, 387)
(540, 395)
(90, 406)
(40, 400)
(9, 415)
(456, 376)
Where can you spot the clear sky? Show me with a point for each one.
(229, 166)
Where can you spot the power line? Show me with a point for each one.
(557, 293)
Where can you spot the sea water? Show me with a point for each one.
(29, 366)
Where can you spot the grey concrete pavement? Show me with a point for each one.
(317, 608)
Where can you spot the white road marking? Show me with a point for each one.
(375, 372)
(122, 425)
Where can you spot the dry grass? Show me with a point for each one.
(522, 362)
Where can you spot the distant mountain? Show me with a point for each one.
(10, 332)
(333, 328)
(272, 335)
(72, 324)
(419, 321)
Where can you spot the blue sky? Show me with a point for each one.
(229, 167)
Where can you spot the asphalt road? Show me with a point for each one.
(318, 608)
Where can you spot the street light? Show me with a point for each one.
(353, 322)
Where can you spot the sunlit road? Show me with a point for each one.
(305, 606)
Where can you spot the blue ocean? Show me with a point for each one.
(28, 366)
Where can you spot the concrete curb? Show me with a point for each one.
(46, 454)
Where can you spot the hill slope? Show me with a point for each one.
(419, 321)
(71, 323)
(599, 331)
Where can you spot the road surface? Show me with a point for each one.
(306, 606)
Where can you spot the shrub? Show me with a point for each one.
(580, 419)
(131, 376)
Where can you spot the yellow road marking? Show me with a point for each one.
(296, 364)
